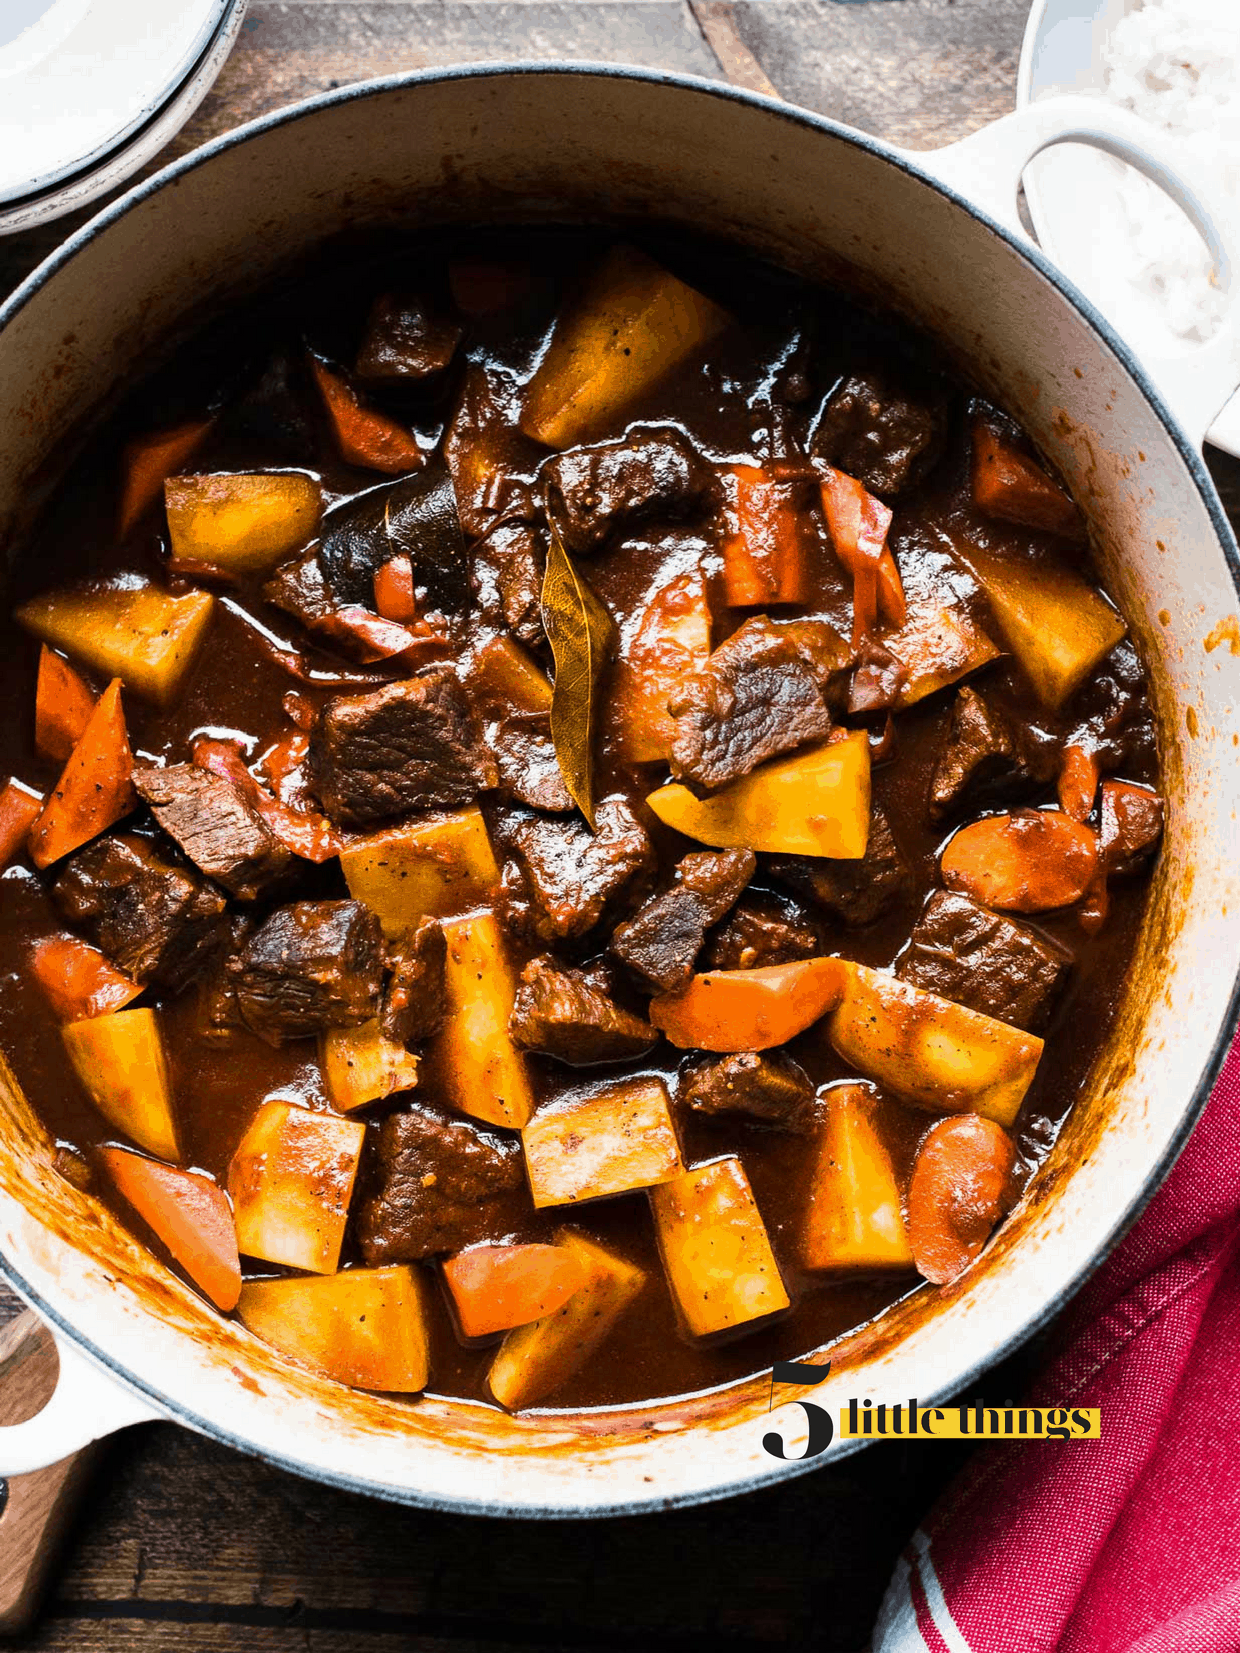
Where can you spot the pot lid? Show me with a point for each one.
(77, 77)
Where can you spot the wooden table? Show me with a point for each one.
(181, 1544)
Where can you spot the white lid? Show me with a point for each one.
(77, 77)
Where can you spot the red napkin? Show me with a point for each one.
(1130, 1544)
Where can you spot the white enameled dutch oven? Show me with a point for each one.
(935, 237)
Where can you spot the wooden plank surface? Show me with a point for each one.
(183, 1545)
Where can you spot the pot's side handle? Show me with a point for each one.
(986, 169)
(85, 1405)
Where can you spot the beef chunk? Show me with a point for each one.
(410, 745)
(218, 1015)
(761, 693)
(157, 919)
(563, 877)
(600, 490)
(529, 771)
(768, 1086)
(1116, 721)
(885, 434)
(764, 928)
(413, 1002)
(984, 960)
(1130, 825)
(406, 338)
(299, 587)
(986, 755)
(662, 940)
(569, 1014)
(435, 1184)
(217, 827)
(311, 966)
(857, 892)
(516, 552)
(877, 679)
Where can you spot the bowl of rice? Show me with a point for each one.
(1175, 63)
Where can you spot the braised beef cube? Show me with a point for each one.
(857, 892)
(886, 434)
(984, 960)
(275, 407)
(434, 1184)
(1116, 721)
(410, 745)
(769, 1087)
(529, 771)
(762, 929)
(877, 679)
(310, 966)
(1130, 825)
(986, 756)
(217, 827)
(157, 919)
(517, 554)
(663, 938)
(612, 486)
(299, 587)
(563, 878)
(761, 693)
(571, 1015)
(218, 1015)
(413, 1001)
(406, 338)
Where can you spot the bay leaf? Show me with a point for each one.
(582, 635)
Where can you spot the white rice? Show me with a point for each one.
(1177, 64)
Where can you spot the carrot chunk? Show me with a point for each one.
(728, 1010)
(77, 979)
(189, 1214)
(497, 1287)
(150, 461)
(366, 437)
(395, 597)
(764, 554)
(1009, 485)
(858, 523)
(1078, 782)
(95, 788)
(19, 810)
(960, 1187)
(1026, 862)
(62, 706)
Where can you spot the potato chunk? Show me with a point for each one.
(535, 1360)
(120, 1059)
(1056, 625)
(715, 1249)
(146, 637)
(481, 1069)
(814, 803)
(366, 1327)
(607, 1142)
(430, 869)
(931, 1052)
(291, 1179)
(632, 323)
(239, 524)
(360, 1065)
(854, 1219)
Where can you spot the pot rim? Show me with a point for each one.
(907, 162)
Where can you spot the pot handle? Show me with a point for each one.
(987, 167)
(85, 1405)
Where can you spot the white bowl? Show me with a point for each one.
(1072, 193)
